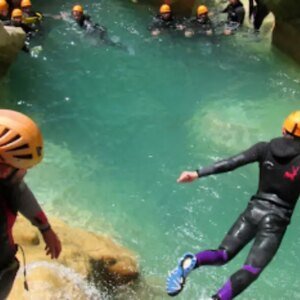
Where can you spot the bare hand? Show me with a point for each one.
(180, 27)
(53, 245)
(227, 32)
(155, 32)
(188, 33)
(187, 176)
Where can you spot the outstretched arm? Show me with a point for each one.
(29, 208)
(255, 153)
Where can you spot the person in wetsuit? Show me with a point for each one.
(31, 18)
(201, 24)
(85, 22)
(4, 11)
(17, 21)
(266, 218)
(259, 12)
(235, 16)
(21, 148)
(164, 21)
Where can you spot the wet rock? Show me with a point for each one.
(88, 256)
(11, 42)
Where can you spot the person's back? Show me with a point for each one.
(280, 171)
(266, 218)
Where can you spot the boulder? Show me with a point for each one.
(88, 263)
(11, 42)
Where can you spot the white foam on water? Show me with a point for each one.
(69, 275)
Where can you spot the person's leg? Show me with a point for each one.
(261, 12)
(7, 277)
(266, 244)
(238, 236)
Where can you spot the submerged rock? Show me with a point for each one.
(87, 263)
(11, 42)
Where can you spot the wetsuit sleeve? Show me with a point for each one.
(255, 153)
(29, 207)
(240, 14)
(225, 10)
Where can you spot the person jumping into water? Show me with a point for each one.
(21, 148)
(266, 218)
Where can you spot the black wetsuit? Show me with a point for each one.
(200, 25)
(4, 19)
(268, 213)
(159, 23)
(235, 14)
(259, 11)
(15, 198)
(90, 27)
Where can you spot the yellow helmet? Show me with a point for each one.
(201, 10)
(21, 142)
(25, 3)
(16, 13)
(3, 5)
(78, 8)
(165, 8)
(292, 123)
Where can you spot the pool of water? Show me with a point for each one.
(120, 126)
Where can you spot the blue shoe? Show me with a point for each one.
(176, 278)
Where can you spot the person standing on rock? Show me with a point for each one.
(21, 148)
(266, 218)
(259, 11)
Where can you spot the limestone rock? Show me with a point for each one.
(86, 256)
(11, 42)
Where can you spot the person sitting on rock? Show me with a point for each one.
(235, 16)
(164, 20)
(201, 24)
(4, 13)
(21, 148)
(30, 17)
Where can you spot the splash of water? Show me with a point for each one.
(68, 275)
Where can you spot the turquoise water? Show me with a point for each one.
(120, 126)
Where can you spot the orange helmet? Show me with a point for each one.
(165, 8)
(201, 10)
(292, 123)
(77, 8)
(3, 5)
(21, 142)
(25, 3)
(16, 13)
